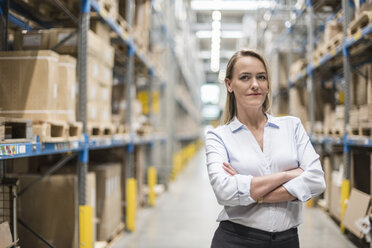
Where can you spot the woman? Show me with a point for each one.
(261, 167)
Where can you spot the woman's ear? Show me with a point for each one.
(228, 85)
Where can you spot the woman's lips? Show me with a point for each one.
(255, 94)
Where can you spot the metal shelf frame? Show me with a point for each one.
(82, 147)
(344, 51)
(347, 142)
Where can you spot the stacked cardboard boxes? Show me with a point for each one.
(37, 85)
(142, 23)
(100, 63)
(109, 196)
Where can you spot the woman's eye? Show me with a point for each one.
(262, 78)
(244, 78)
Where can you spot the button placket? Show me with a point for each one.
(266, 148)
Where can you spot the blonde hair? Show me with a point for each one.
(230, 106)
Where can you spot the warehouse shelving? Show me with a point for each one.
(339, 62)
(348, 42)
(130, 140)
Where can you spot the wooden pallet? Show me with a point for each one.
(334, 43)
(112, 239)
(337, 132)
(363, 130)
(318, 53)
(14, 130)
(75, 131)
(51, 131)
(124, 26)
(362, 21)
(101, 129)
(144, 130)
(108, 8)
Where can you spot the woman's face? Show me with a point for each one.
(249, 82)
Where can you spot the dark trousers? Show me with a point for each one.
(232, 235)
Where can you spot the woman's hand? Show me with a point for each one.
(229, 169)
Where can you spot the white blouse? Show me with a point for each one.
(285, 146)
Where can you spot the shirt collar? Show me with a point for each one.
(235, 124)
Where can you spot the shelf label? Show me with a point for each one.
(8, 150)
(22, 149)
(357, 35)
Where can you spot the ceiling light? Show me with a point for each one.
(222, 75)
(216, 15)
(267, 16)
(238, 5)
(293, 16)
(287, 24)
(216, 25)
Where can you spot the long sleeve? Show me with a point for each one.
(229, 190)
(311, 182)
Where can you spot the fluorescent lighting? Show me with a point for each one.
(229, 5)
(203, 34)
(293, 16)
(216, 39)
(215, 68)
(210, 93)
(216, 15)
(267, 16)
(211, 112)
(216, 25)
(287, 24)
(222, 75)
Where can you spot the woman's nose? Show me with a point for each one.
(254, 83)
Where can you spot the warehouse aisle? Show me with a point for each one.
(184, 217)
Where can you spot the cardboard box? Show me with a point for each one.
(369, 84)
(6, 238)
(99, 111)
(140, 163)
(66, 97)
(31, 40)
(48, 39)
(99, 71)
(335, 201)
(357, 208)
(142, 22)
(109, 197)
(327, 168)
(50, 207)
(101, 29)
(365, 113)
(105, 112)
(93, 114)
(29, 85)
(332, 28)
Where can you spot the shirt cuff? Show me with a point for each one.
(243, 183)
(298, 188)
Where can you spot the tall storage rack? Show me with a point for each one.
(178, 146)
(328, 70)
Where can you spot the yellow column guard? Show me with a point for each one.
(86, 226)
(345, 190)
(131, 206)
(151, 181)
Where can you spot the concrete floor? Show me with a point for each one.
(185, 215)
